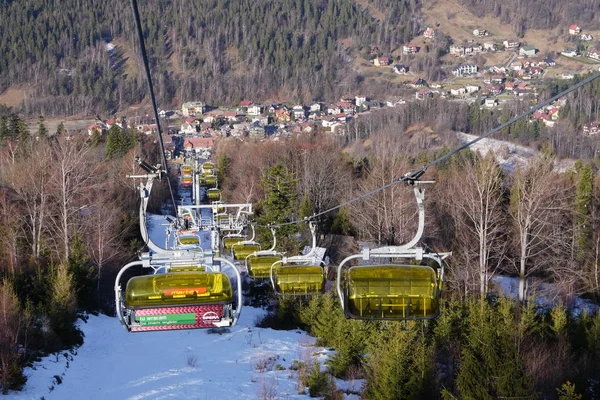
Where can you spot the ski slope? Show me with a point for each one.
(244, 363)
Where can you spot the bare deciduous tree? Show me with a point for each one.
(539, 202)
(476, 197)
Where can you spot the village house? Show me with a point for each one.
(400, 69)
(586, 37)
(345, 107)
(231, 116)
(527, 51)
(424, 94)
(493, 90)
(254, 110)
(192, 108)
(594, 52)
(299, 111)
(458, 91)
(246, 103)
(418, 82)
(429, 33)
(549, 62)
(570, 52)
(480, 32)
(316, 107)
(574, 30)
(472, 88)
(333, 109)
(283, 114)
(490, 46)
(567, 75)
(511, 44)
(510, 86)
(490, 102)
(464, 70)
(360, 101)
(591, 129)
(198, 144)
(188, 127)
(516, 65)
(395, 102)
(97, 129)
(410, 48)
(382, 62)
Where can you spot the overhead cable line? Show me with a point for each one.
(413, 176)
(138, 24)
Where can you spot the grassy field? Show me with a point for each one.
(12, 97)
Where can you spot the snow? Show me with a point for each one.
(112, 363)
(509, 155)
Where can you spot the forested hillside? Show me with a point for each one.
(220, 51)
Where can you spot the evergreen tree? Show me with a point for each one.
(3, 128)
(42, 132)
(60, 129)
(63, 308)
(82, 273)
(280, 204)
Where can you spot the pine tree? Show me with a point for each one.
(42, 132)
(63, 308)
(60, 129)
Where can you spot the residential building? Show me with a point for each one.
(511, 44)
(464, 69)
(490, 46)
(472, 88)
(516, 65)
(193, 108)
(299, 111)
(567, 75)
(574, 30)
(429, 33)
(594, 52)
(254, 110)
(316, 107)
(400, 69)
(527, 51)
(382, 62)
(360, 101)
(586, 37)
(491, 102)
(410, 48)
(570, 52)
(458, 91)
(480, 32)
(424, 94)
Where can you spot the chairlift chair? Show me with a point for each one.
(392, 291)
(187, 296)
(299, 275)
(258, 264)
(213, 194)
(243, 249)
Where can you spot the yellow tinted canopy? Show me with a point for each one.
(229, 241)
(210, 180)
(182, 288)
(213, 194)
(189, 240)
(299, 279)
(243, 250)
(392, 292)
(259, 266)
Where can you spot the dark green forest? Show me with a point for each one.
(219, 51)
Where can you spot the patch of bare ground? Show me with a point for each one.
(131, 68)
(12, 97)
(371, 9)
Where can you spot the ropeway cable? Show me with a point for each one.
(413, 176)
(138, 24)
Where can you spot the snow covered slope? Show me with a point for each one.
(245, 363)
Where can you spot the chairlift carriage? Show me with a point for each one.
(299, 275)
(244, 248)
(213, 194)
(390, 290)
(258, 264)
(187, 288)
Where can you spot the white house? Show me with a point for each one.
(192, 108)
(464, 69)
(472, 88)
(400, 69)
(490, 46)
(254, 110)
(574, 30)
(527, 51)
(511, 44)
(570, 52)
(360, 100)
